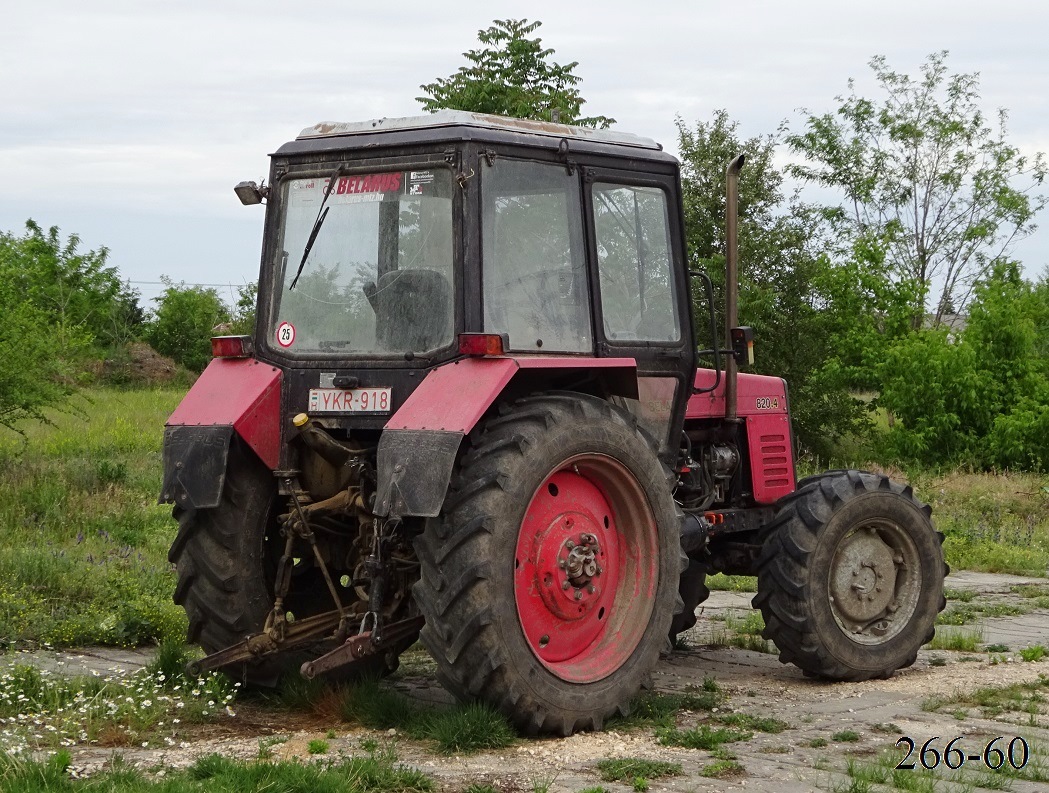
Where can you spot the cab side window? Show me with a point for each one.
(534, 260)
(634, 263)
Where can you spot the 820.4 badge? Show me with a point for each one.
(1017, 753)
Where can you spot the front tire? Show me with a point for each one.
(850, 578)
(549, 582)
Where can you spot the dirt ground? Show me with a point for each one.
(813, 753)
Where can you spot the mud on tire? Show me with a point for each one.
(547, 476)
(850, 577)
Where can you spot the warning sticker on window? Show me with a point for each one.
(285, 334)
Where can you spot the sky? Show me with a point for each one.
(128, 122)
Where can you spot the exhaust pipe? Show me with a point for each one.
(731, 276)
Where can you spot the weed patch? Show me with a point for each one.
(660, 709)
(994, 700)
(754, 723)
(701, 737)
(462, 728)
(630, 768)
(966, 641)
(845, 736)
(722, 769)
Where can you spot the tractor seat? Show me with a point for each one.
(413, 310)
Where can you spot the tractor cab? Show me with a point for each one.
(389, 243)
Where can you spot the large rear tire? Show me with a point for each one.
(548, 583)
(850, 577)
(226, 558)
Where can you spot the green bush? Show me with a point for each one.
(979, 397)
(182, 326)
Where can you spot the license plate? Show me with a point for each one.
(350, 400)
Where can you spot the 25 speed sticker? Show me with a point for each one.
(993, 754)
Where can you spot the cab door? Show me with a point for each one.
(641, 307)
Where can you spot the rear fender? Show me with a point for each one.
(240, 396)
(419, 445)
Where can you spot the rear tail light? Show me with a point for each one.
(232, 347)
(483, 343)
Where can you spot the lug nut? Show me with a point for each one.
(564, 585)
(562, 564)
(590, 589)
(570, 545)
(579, 594)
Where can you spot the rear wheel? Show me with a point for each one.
(549, 581)
(226, 561)
(850, 577)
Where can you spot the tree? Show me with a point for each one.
(980, 397)
(183, 321)
(923, 170)
(789, 292)
(84, 300)
(60, 306)
(512, 76)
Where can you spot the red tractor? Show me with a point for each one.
(471, 415)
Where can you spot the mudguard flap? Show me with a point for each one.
(240, 393)
(418, 447)
(232, 395)
(195, 465)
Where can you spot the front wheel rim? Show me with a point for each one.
(875, 582)
(586, 568)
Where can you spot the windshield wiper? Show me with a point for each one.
(322, 213)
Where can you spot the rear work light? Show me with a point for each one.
(483, 343)
(232, 347)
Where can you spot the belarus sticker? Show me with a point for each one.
(285, 334)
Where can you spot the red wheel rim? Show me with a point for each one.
(586, 568)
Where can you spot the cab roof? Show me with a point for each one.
(458, 125)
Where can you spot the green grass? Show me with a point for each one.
(722, 769)
(845, 736)
(660, 709)
(631, 768)
(469, 727)
(993, 700)
(741, 631)
(996, 523)
(732, 583)
(966, 641)
(701, 737)
(216, 773)
(970, 612)
(1034, 653)
(755, 723)
(84, 557)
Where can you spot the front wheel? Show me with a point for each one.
(850, 578)
(549, 581)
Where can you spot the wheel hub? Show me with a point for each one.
(872, 588)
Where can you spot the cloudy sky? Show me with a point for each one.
(129, 121)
